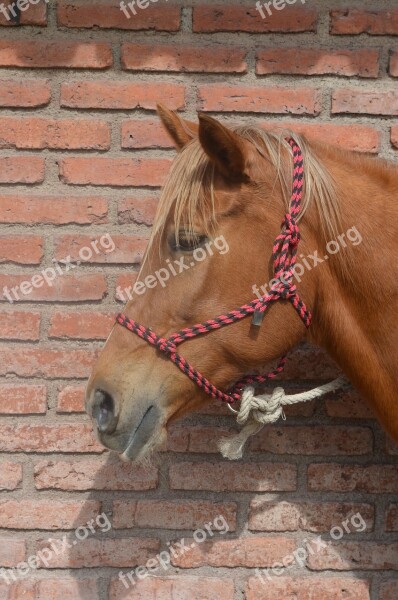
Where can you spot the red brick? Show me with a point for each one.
(44, 55)
(389, 590)
(21, 249)
(56, 589)
(114, 171)
(71, 399)
(71, 437)
(12, 552)
(308, 362)
(65, 288)
(183, 58)
(311, 61)
(47, 514)
(209, 19)
(94, 474)
(145, 133)
(62, 134)
(349, 406)
(81, 325)
(104, 553)
(35, 14)
(241, 552)
(16, 589)
(326, 441)
(17, 325)
(31, 361)
(373, 479)
(392, 518)
(196, 438)
(107, 15)
(30, 93)
(128, 250)
(304, 516)
(56, 210)
(67, 589)
(235, 98)
(353, 21)
(367, 103)
(233, 477)
(140, 211)
(10, 476)
(121, 95)
(348, 556)
(393, 69)
(21, 169)
(20, 399)
(304, 588)
(359, 138)
(174, 588)
(394, 136)
(173, 514)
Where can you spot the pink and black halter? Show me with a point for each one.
(284, 259)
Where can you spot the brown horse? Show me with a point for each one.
(234, 185)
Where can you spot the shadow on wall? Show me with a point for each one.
(324, 475)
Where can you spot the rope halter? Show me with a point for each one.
(284, 254)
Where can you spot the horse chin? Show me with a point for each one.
(141, 454)
(137, 442)
(143, 438)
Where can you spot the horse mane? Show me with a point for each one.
(189, 189)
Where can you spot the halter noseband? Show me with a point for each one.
(284, 259)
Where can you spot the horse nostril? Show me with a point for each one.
(103, 411)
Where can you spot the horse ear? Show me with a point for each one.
(180, 130)
(225, 148)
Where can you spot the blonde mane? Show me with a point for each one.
(188, 193)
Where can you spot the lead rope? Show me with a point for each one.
(257, 411)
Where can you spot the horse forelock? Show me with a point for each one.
(188, 193)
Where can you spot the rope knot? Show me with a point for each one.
(257, 411)
(291, 228)
(285, 287)
(263, 409)
(166, 346)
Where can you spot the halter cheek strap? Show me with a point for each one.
(284, 254)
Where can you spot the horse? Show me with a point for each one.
(234, 184)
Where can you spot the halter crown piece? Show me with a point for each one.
(255, 411)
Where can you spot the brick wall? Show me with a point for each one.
(82, 155)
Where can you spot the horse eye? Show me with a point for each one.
(187, 243)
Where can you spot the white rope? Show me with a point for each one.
(257, 411)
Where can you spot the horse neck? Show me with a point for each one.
(355, 311)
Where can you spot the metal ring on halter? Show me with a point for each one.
(236, 412)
